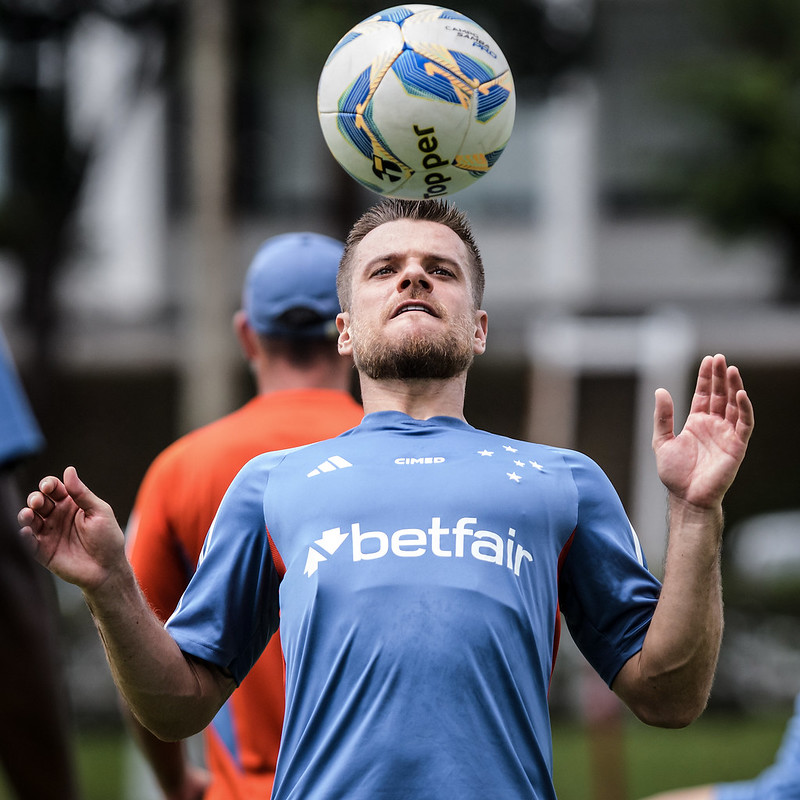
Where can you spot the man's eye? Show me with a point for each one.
(441, 271)
(385, 270)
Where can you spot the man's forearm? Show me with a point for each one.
(172, 696)
(668, 682)
(177, 776)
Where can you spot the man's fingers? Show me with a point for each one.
(718, 402)
(739, 409)
(701, 400)
(40, 502)
(735, 385)
(51, 495)
(746, 420)
(663, 417)
(83, 496)
(52, 488)
(27, 519)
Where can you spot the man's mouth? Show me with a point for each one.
(414, 307)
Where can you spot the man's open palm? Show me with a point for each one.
(699, 464)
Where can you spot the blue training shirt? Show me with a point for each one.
(418, 568)
(19, 433)
(781, 780)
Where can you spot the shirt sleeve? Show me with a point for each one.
(230, 608)
(606, 592)
(19, 433)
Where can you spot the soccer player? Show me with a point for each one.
(35, 750)
(780, 781)
(287, 332)
(419, 566)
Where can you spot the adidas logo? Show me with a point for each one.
(329, 465)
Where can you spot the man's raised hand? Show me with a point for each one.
(699, 464)
(71, 531)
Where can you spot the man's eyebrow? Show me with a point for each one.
(430, 258)
(382, 259)
(443, 260)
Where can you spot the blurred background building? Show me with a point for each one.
(646, 212)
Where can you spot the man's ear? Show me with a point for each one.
(481, 331)
(247, 337)
(345, 342)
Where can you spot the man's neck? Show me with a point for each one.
(421, 399)
(278, 375)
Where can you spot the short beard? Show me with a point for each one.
(415, 357)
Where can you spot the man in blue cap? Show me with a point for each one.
(32, 706)
(287, 332)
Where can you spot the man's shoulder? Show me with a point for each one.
(511, 443)
(264, 463)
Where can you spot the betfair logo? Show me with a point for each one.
(461, 541)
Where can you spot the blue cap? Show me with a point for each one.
(290, 288)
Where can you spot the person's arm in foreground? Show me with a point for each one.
(668, 682)
(75, 535)
(178, 778)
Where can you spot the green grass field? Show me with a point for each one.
(716, 747)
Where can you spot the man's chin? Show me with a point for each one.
(414, 359)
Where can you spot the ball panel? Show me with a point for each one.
(494, 115)
(448, 13)
(423, 129)
(421, 77)
(343, 42)
(490, 128)
(399, 14)
(433, 34)
(372, 50)
(477, 164)
(372, 165)
(494, 96)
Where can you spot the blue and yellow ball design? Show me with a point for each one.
(416, 101)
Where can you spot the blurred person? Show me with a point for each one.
(286, 329)
(418, 566)
(779, 781)
(35, 746)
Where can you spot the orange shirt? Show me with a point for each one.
(175, 505)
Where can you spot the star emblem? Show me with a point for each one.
(485, 452)
(519, 463)
(508, 448)
(512, 476)
(536, 465)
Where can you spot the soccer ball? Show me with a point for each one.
(416, 101)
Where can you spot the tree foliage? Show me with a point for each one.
(47, 163)
(742, 173)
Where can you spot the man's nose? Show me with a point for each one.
(413, 275)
